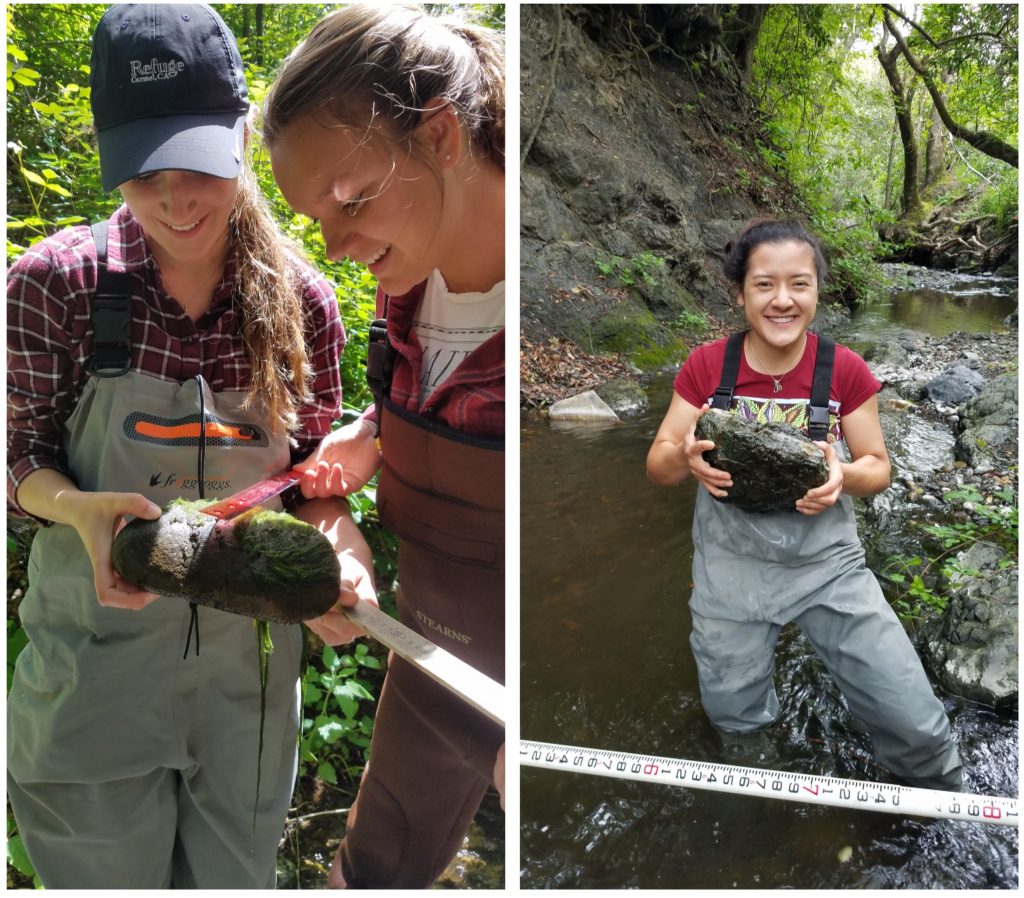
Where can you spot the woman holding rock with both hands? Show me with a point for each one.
(129, 765)
(387, 126)
(754, 572)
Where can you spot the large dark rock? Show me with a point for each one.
(772, 465)
(972, 649)
(262, 564)
(988, 423)
(955, 386)
(625, 397)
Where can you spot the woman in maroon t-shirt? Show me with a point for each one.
(754, 572)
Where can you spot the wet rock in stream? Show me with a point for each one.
(972, 648)
(772, 465)
(954, 386)
(988, 426)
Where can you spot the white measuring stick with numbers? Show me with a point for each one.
(806, 787)
(473, 687)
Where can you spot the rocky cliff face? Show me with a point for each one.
(640, 165)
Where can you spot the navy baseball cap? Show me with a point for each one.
(168, 92)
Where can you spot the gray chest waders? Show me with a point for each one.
(442, 492)
(755, 572)
(128, 765)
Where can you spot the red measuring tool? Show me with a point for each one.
(256, 494)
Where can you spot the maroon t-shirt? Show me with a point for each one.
(754, 397)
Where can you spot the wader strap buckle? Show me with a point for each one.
(821, 385)
(817, 424)
(380, 364)
(730, 369)
(111, 315)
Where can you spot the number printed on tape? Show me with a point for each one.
(776, 784)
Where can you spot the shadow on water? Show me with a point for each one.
(606, 663)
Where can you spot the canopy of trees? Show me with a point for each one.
(879, 112)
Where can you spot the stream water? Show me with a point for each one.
(606, 663)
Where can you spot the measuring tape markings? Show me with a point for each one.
(885, 797)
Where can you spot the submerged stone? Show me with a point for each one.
(772, 465)
(263, 564)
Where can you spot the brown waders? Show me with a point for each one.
(432, 755)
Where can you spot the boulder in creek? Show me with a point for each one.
(988, 441)
(623, 396)
(954, 386)
(772, 465)
(972, 649)
(262, 564)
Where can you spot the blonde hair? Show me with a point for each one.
(367, 62)
(270, 295)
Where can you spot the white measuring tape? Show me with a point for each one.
(806, 787)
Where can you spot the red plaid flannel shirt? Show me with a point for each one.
(471, 399)
(49, 340)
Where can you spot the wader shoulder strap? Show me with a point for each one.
(380, 362)
(730, 369)
(817, 424)
(111, 314)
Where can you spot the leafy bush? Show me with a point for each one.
(1001, 199)
(640, 269)
(336, 728)
(921, 580)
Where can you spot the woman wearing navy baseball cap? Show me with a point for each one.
(129, 765)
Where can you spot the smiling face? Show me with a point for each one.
(780, 293)
(184, 215)
(377, 203)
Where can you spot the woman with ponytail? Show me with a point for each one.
(387, 125)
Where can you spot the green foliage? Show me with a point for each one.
(828, 113)
(920, 581)
(17, 856)
(640, 269)
(336, 727)
(690, 322)
(1002, 199)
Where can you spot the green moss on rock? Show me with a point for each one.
(637, 334)
(264, 565)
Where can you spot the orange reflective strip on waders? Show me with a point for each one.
(181, 431)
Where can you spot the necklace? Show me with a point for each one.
(776, 381)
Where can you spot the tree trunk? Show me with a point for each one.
(911, 203)
(259, 9)
(888, 165)
(745, 27)
(935, 149)
(984, 141)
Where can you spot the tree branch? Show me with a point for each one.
(985, 141)
(556, 49)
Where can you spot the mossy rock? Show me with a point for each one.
(772, 465)
(637, 334)
(263, 564)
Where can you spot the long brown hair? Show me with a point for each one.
(375, 67)
(269, 292)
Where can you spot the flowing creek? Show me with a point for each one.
(606, 663)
